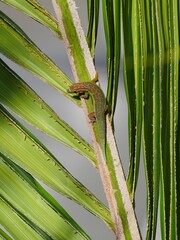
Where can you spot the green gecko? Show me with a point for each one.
(84, 89)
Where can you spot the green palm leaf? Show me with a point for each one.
(21, 99)
(112, 27)
(35, 11)
(133, 75)
(4, 236)
(93, 16)
(24, 52)
(32, 208)
(26, 151)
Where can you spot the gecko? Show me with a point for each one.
(84, 89)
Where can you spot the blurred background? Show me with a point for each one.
(78, 166)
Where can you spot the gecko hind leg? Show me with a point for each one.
(92, 117)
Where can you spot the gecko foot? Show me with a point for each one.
(84, 95)
(92, 117)
(96, 78)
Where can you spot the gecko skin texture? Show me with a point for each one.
(99, 103)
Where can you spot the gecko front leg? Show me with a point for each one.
(92, 117)
(96, 78)
(84, 95)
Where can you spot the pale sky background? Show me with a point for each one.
(76, 164)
